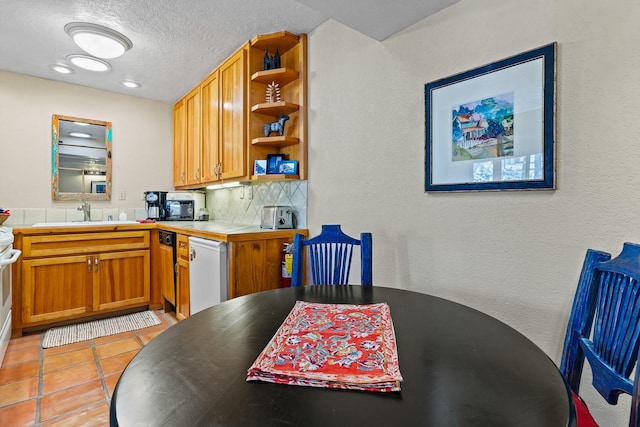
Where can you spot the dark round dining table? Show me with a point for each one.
(460, 367)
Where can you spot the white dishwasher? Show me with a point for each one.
(208, 275)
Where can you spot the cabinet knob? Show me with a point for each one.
(89, 264)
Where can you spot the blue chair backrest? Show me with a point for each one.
(330, 255)
(604, 326)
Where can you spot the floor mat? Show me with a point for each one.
(99, 328)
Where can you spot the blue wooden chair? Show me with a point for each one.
(330, 257)
(604, 327)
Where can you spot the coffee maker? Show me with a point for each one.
(155, 202)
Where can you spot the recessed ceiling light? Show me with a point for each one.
(89, 63)
(131, 84)
(62, 69)
(97, 40)
(80, 134)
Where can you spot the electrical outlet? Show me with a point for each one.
(122, 195)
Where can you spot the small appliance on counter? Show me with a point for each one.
(184, 206)
(277, 217)
(155, 204)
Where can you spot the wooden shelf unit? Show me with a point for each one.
(292, 80)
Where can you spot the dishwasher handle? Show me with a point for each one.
(192, 253)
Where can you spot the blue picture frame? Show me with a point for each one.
(288, 167)
(492, 128)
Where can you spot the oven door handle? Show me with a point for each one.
(15, 254)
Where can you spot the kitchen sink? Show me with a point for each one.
(80, 223)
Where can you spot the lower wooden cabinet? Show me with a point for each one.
(254, 264)
(182, 277)
(69, 276)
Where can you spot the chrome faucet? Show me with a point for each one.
(86, 210)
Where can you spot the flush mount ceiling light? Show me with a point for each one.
(89, 63)
(131, 84)
(62, 69)
(97, 40)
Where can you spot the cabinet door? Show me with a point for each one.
(192, 107)
(182, 277)
(210, 116)
(166, 275)
(264, 257)
(179, 144)
(233, 126)
(182, 303)
(56, 288)
(121, 279)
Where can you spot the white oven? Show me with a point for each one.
(8, 256)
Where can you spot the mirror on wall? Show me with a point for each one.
(80, 159)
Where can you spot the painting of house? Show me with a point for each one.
(483, 129)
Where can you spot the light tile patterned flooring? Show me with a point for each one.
(69, 385)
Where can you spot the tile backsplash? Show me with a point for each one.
(244, 204)
(241, 204)
(28, 216)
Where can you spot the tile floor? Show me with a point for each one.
(69, 385)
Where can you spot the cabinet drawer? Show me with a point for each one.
(84, 243)
(182, 249)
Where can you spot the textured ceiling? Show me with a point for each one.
(176, 43)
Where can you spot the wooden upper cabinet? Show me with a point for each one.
(233, 78)
(221, 121)
(193, 141)
(179, 145)
(210, 116)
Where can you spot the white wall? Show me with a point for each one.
(142, 140)
(514, 255)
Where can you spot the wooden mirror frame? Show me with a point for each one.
(55, 185)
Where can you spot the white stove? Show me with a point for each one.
(8, 256)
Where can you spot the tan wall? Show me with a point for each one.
(142, 140)
(514, 255)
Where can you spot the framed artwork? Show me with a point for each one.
(272, 162)
(288, 167)
(493, 127)
(260, 167)
(98, 187)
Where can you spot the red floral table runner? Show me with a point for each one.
(332, 346)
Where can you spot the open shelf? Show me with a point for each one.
(275, 141)
(282, 76)
(275, 109)
(273, 177)
(283, 41)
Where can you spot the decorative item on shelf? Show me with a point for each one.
(277, 126)
(287, 167)
(270, 62)
(272, 162)
(273, 92)
(260, 167)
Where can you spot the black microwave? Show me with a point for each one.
(180, 210)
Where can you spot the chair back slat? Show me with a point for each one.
(615, 335)
(330, 256)
(604, 326)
